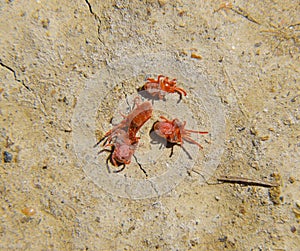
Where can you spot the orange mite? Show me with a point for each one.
(123, 138)
(174, 132)
(162, 85)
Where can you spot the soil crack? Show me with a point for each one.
(91, 9)
(140, 165)
(15, 75)
(153, 187)
(97, 19)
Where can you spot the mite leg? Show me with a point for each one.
(152, 80)
(107, 135)
(180, 91)
(159, 77)
(193, 131)
(120, 170)
(107, 164)
(192, 141)
(104, 150)
(164, 119)
(101, 141)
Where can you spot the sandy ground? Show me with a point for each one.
(68, 67)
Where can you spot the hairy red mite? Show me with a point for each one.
(174, 132)
(123, 147)
(162, 85)
(123, 138)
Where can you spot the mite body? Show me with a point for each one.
(174, 132)
(122, 147)
(161, 86)
(123, 138)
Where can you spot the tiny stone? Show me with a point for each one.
(7, 157)
(65, 100)
(253, 131)
(217, 198)
(264, 138)
(255, 165)
(298, 204)
(287, 122)
(162, 3)
(297, 213)
(292, 180)
(38, 186)
(28, 211)
(181, 24)
(196, 56)
(258, 44)
(255, 142)
(45, 23)
(183, 53)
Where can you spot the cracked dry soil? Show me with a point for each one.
(50, 51)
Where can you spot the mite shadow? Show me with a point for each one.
(156, 139)
(147, 95)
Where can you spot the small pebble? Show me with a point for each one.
(253, 131)
(45, 23)
(255, 165)
(7, 157)
(258, 44)
(28, 211)
(181, 24)
(162, 3)
(287, 122)
(196, 56)
(296, 212)
(291, 180)
(293, 229)
(264, 138)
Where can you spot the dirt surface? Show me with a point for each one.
(66, 70)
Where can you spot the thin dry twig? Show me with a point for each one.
(240, 105)
(284, 33)
(238, 10)
(247, 181)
